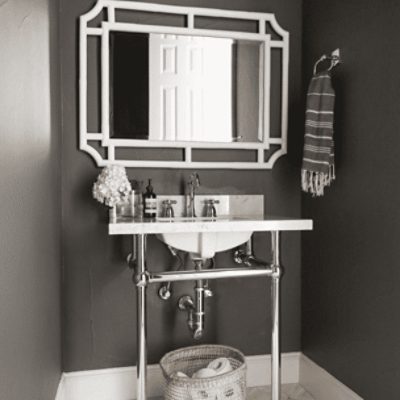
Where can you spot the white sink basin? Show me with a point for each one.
(204, 244)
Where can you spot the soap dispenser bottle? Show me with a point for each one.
(150, 202)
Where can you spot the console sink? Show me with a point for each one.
(204, 244)
(238, 216)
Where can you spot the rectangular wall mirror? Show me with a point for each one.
(182, 87)
(186, 88)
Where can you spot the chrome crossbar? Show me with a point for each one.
(221, 273)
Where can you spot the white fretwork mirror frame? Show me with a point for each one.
(111, 144)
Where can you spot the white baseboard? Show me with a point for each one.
(110, 384)
(60, 395)
(259, 369)
(120, 383)
(321, 384)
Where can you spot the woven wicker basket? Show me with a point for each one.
(229, 386)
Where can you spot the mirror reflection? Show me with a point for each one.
(185, 88)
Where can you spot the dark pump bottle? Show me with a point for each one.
(150, 202)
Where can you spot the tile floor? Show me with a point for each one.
(292, 391)
(289, 392)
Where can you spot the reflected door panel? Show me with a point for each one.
(190, 88)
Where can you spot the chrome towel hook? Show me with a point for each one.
(334, 58)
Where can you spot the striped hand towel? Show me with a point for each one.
(318, 169)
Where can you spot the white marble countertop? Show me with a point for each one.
(130, 226)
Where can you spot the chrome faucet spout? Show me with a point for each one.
(194, 183)
(195, 178)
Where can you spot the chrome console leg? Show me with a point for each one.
(275, 294)
(141, 286)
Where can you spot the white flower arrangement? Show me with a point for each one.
(112, 185)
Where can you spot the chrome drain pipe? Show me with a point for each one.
(198, 314)
(185, 303)
(195, 312)
(195, 309)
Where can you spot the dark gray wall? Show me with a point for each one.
(30, 334)
(350, 320)
(99, 298)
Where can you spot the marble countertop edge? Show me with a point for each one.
(129, 226)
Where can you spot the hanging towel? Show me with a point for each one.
(318, 169)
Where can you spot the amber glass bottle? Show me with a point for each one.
(150, 202)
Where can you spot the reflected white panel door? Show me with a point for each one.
(190, 88)
(193, 93)
(164, 82)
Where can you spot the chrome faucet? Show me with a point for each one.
(194, 183)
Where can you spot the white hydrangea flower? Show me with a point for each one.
(112, 185)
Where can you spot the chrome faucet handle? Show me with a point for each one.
(211, 201)
(169, 201)
(211, 211)
(168, 210)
